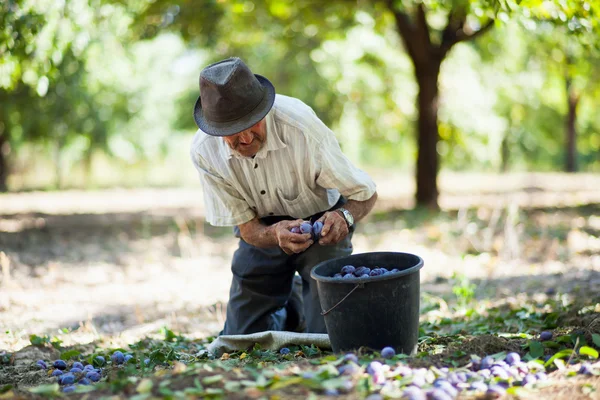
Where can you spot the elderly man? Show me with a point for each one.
(267, 163)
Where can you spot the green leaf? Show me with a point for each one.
(596, 339)
(561, 354)
(209, 380)
(52, 389)
(67, 355)
(536, 349)
(588, 351)
(38, 340)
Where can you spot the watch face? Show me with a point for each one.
(348, 216)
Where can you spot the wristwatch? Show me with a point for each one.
(347, 216)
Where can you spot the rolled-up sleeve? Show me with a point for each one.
(336, 171)
(223, 204)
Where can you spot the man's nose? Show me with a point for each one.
(246, 137)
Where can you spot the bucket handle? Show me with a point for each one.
(358, 285)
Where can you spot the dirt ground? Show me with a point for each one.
(114, 266)
(123, 263)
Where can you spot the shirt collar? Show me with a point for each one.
(274, 142)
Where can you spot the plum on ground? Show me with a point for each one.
(439, 394)
(76, 370)
(99, 360)
(487, 362)
(88, 367)
(118, 357)
(128, 357)
(306, 227)
(478, 386)
(77, 364)
(528, 379)
(41, 364)
(585, 369)
(69, 389)
(512, 358)
(374, 366)
(496, 390)
(284, 350)
(66, 379)
(388, 352)
(351, 357)
(93, 376)
(57, 372)
(414, 393)
(545, 335)
(84, 381)
(59, 364)
(331, 392)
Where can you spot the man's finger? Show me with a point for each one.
(298, 237)
(327, 223)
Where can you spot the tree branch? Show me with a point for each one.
(456, 33)
(415, 37)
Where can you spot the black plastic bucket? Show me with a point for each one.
(373, 312)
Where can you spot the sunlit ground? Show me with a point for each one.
(115, 266)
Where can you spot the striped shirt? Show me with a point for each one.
(299, 171)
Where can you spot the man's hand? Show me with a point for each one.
(292, 243)
(335, 228)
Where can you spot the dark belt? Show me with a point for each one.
(273, 219)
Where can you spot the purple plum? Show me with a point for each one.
(496, 390)
(487, 362)
(338, 275)
(295, 229)
(57, 372)
(365, 276)
(76, 370)
(585, 369)
(351, 357)
(59, 364)
(77, 364)
(306, 227)
(395, 270)
(388, 352)
(545, 335)
(348, 269)
(128, 357)
(331, 392)
(284, 351)
(117, 357)
(41, 364)
(414, 393)
(512, 358)
(93, 376)
(349, 276)
(99, 360)
(374, 366)
(541, 376)
(69, 389)
(66, 379)
(528, 380)
(84, 381)
(439, 394)
(478, 386)
(316, 229)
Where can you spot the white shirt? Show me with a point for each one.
(299, 171)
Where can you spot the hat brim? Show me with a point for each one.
(232, 127)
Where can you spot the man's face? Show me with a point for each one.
(248, 142)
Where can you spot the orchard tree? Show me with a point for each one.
(282, 34)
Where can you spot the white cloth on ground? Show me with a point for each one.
(271, 340)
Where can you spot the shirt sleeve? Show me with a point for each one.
(336, 171)
(223, 204)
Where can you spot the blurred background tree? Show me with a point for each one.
(90, 85)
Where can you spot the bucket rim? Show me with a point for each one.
(379, 278)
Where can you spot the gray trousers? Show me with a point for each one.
(261, 295)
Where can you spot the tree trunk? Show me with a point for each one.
(571, 132)
(428, 135)
(3, 161)
(505, 153)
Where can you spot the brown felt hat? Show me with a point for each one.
(232, 98)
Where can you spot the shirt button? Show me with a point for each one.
(262, 192)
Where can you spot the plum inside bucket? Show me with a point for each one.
(373, 312)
